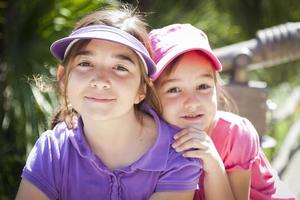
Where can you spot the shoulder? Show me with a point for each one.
(45, 159)
(179, 173)
(164, 129)
(50, 143)
(164, 140)
(236, 140)
(57, 136)
(236, 126)
(177, 166)
(230, 118)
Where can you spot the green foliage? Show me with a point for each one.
(202, 14)
(27, 30)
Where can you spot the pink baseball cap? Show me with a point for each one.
(173, 40)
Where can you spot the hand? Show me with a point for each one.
(195, 143)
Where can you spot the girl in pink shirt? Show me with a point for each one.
(187, 82)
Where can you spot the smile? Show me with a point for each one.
(99, 99)
(192, 117)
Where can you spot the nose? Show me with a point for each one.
(192, 102)
(100, 80)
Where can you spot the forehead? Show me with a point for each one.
(107, 49)
(106, 45)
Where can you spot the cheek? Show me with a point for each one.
(75, 83)
(170, 107)
(211, 104)
(76, 77)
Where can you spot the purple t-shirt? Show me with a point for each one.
(63, 166)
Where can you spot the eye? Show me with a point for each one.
(173, 90)
(84, 64)
(121, 68)
(203, 87)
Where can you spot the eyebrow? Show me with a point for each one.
(83, 53)
(118, 56)
(125, 57)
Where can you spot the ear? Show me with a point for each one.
(60, 76)
(141, 94)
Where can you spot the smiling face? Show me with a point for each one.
(104, 80)
(188, 92)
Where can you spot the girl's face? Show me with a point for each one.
(188, 92)
(104, 81)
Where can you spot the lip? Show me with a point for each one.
(192, 117)
(100, 99)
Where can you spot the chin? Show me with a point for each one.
(96, 116)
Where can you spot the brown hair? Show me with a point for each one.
(128, 20)
(225, 101)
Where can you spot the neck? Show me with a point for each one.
(110, 140)
(117, 132)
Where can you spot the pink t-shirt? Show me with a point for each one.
(237, 142)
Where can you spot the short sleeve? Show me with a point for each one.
(242, 145)
(182, 174)
(42, 165)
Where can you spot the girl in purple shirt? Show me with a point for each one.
(120, 148)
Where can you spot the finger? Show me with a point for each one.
(188, 135)
(187, 130)
(193, 143)
(200, 154)
(184, 138)
(192, 130)
(180, 133)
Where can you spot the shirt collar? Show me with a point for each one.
(155, 159)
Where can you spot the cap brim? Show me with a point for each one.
(59, 47)
(179, 50)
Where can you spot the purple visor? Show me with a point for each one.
(61, 47)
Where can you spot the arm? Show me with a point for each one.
(172, 195)
(244, 150)
(198, 144)
(240, 183)
(28, 191)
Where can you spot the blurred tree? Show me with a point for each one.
(27, 30)
(203, 14)
(19, 114)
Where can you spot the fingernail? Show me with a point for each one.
(174, 145)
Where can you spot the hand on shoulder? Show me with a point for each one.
(194, 143)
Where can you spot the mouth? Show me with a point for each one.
(192, 117)
(99, 99)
